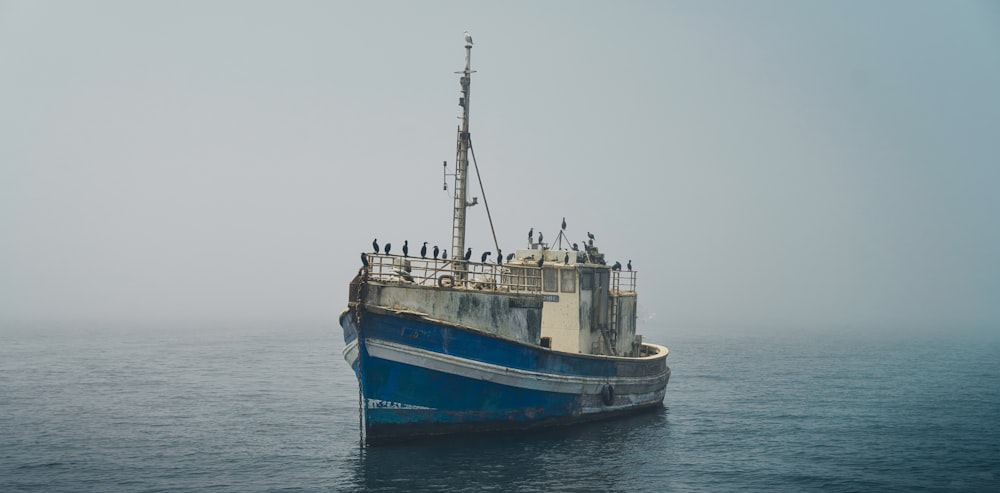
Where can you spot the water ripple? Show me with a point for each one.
(277, 411)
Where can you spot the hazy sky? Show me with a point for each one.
(765, 165)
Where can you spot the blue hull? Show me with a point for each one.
(421, 378)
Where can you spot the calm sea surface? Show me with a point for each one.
(277, 411)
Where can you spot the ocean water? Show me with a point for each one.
(277, 410)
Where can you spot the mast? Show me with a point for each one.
(462, 165)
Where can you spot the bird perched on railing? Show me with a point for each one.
(630, 265)
(406, 248)
(444, 254)
(510, 257)
(617, 266)
(437, 251)
(423, 250)
(388, 246)
(375, 244)
(468, 254)
(485, 256)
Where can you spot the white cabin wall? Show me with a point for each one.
(559, 321)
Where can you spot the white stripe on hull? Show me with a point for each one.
(631, 387)
(351, 353)
(621, 402)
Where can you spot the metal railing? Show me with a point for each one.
(515, 277)
(623, 281)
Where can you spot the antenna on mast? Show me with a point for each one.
(462, 162)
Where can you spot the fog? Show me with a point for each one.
(799, 166)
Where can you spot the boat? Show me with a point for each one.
(542, 338)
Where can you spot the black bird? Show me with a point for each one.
(485, 256)
(566, 259)
(531, 235)
(468, 254)
(499, 257)
(540, 236)
(375, 244)
(423, 250)
(510, 257)
(576, 248)
(406, 248)
(388, 246)
(444, 254)
(630, 265)
(364, 260)
(564, 223)
(590, 235)
(437, 251)
(541, 261)
(617, 266)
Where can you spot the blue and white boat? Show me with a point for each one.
(448, 345)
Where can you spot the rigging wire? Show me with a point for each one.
(483, 190)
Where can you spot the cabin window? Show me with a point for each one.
(567, 279)
(586, 279)
(519, 279)
(550, 281)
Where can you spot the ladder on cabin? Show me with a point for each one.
(611, 337)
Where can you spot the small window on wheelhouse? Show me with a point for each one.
(586, 279)
(550, 281)
(567, 279)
